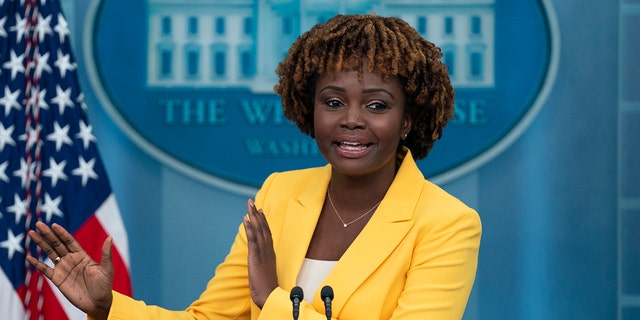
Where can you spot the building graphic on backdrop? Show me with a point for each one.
(238, 44)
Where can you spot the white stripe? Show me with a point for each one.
(109, 216)
(10, 302)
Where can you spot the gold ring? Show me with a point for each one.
(56, 260)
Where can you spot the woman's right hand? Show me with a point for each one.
(84, 282)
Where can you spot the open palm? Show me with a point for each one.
(84, 282)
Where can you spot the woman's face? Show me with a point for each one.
(359, 124)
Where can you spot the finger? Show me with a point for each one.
(254, 219)
(40, 266)
(252, 228)
(257, 222)
(263, 221)
(248, 228)
(251, 209)
(43, 244)
(106, 261)
(261, 224)
(70, 243)
(58, 248)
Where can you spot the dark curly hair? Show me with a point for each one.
(388, 45)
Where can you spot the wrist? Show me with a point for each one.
(102, 309)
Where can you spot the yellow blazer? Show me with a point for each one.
(415, 259)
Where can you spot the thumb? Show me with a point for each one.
(105, 261)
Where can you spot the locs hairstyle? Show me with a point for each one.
(388, 45)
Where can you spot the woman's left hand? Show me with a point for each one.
(261, 259)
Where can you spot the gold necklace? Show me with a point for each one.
(346, 224)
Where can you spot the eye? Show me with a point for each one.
(377, 106)
(334, 103)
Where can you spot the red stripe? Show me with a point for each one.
(91, 235)
(50, 309)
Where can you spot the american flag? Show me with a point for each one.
(50, 169)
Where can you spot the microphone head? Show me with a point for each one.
(326, 292)
(296, 293)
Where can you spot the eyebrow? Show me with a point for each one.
(372, 90)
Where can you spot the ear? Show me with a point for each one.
(406, 127)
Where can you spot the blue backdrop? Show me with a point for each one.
(560, 205)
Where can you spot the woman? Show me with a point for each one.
(375, 96)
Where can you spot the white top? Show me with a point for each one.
(311, 275)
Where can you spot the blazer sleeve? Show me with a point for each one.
(227, 294)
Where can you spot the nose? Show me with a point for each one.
(352, 117)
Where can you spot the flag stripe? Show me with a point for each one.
(91, 236)
(10, 300)
(114, 226)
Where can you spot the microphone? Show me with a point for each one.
(296, 297)
(327, 295)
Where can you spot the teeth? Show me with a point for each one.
(352, 146)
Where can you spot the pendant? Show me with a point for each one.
(344, 225)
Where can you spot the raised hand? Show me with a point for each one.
(84, 282)
(261, 259)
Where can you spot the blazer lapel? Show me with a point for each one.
(382, 234)
(300, 220)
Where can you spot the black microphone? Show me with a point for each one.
(327, 295)
(296, 297)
